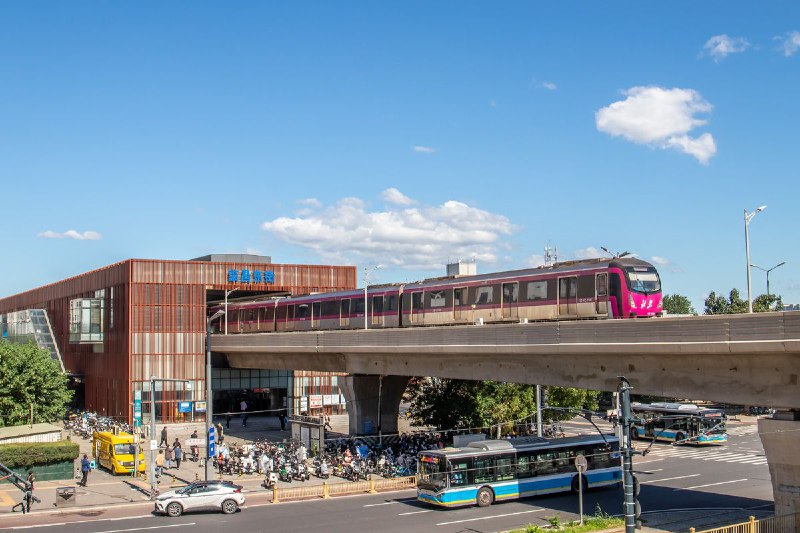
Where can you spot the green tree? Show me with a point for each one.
(719, 305)
(29, 376)
(460, 404)
(678, 304)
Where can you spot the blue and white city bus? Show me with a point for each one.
(683, 423)
(492, 470)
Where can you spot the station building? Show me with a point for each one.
(114, 328)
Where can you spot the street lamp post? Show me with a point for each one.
(768, 270)
(747, 218)
(367, 272)
(152, 468)
(209, 397)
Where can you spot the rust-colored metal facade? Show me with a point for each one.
(154, 324)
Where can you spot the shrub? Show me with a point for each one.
(24, 455)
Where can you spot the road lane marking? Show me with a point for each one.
(712, 484)
(488, 517)
(85, 521)
(667, 479)
(390, 503)
(146, 528)
(416, 512)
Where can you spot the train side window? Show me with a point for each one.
(601, 281)
(437, 299)
(303, 311)
(567, 287)
(483, 295)
(537, 290)
(510, 292)
(391, 302)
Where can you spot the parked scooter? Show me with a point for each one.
(271, 480)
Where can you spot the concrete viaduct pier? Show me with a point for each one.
(751, 359)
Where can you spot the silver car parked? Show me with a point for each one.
(201, 496)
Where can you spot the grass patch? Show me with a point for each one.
(598, 522)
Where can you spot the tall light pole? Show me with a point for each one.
(768, 270)
(367, 272)
(225, 312)
(747, 218)
(209, 397)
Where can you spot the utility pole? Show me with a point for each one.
(628, 480)
(538, 411)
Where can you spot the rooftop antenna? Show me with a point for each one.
(550, 255)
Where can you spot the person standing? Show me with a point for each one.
(160, 462)
(243, 408)
(282, 419)
(168, 456)
(220, 434)
(178, 451)
(86, 466)
(164, 436)
(30, 479)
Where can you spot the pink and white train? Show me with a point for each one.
(586, 289)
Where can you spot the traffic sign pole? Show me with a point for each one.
(580, 465)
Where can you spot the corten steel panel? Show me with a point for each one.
(106, 373)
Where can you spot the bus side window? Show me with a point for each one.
(545, 464)
(526, 465)
(505, 467)
(460, 473)
(564, 463)
(484, 469)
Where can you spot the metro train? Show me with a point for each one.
(585, 289)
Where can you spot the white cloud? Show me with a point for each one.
(660, 118)
(393, 196)
(71, 234)
(720, 46)
(549, 85)
(790, 43)
(424, 149)
(535, 260)
(660, 261)
(413, 238)
(311, 202)
(589, 253)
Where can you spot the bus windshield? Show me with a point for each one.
(644, 281)
(432, 472)
(124, 449)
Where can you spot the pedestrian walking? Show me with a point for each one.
(243, 408)
(178, 452)
(220, 462)
(176, 443)
(327, 425)
(168, 456)
(220, 434)
(86, 466)
(282, 419)
(160, 462)
(27, 499)
(164, 436)
(227, 421)
(30, 479)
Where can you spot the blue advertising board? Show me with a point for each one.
(137, 408)
(184, 407)
(212, 445)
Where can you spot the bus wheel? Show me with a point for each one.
(485, 497)
(635, 432)
(575, 487)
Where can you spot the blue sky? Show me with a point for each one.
(401, 134)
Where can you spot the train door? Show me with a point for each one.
(316, 313)
(509, 300)
(290, 318)
(344, 313)
(416, 313)
(460, 310)
(568, 296)
(377, 311)
(601, 293)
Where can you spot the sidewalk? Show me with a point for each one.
(105, 489)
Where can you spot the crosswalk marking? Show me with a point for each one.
(742, 430)
(710, 455)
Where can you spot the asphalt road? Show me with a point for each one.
(680, 487)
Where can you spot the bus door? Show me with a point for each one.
(508, 303)
(377, 311)
(344, 313)
(568, 296)
(601, 293)
(460, 311)
(316, 312)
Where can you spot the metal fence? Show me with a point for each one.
(789, 523)
(327, 490)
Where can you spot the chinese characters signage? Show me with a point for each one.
(251, 276)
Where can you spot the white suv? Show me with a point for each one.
(201, 496)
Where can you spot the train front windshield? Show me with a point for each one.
(644, 280)
(432, 470)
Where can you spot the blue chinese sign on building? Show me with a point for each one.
(184, 407)
(251, 276)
